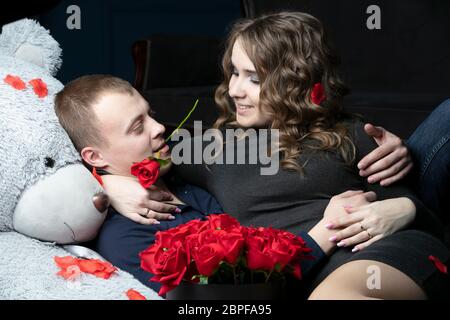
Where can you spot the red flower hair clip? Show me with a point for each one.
(318, 94)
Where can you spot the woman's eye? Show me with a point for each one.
(235, 73)
(254, 79)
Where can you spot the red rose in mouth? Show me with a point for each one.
(146, 171)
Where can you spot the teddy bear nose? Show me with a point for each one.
(101, 202)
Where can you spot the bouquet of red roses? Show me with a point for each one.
(219, 250)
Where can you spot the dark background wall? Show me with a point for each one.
(109, 27)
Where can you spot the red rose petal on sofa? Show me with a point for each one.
(39, 87)
(71, 273)
(15, 82)
(438, 264)
(135, 295)
(100, 269)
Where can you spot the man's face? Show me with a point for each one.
(132, 134)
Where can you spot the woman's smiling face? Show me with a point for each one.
(244, 89)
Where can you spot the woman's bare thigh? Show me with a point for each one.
(367, 279)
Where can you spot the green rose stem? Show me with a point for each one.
(184, 120)
(164, 162)
(268, 277)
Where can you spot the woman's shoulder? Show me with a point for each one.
(354, 124)
(362, 141)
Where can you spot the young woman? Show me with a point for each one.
(281, 73)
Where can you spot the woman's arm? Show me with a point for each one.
(129, 198)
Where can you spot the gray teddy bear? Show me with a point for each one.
(48, 198)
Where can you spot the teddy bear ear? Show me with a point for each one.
(27, 40)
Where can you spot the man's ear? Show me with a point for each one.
(93, 157)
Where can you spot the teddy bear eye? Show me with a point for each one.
(49, 162)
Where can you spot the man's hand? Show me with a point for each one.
(131, 200)
(389, 162)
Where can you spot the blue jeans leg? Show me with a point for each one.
(430, 149)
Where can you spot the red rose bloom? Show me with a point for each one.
(192, 227)
(168, 264)
(269, 248)
(258, 256)
(208, 257)
(318, 94)
(202, 249)
(233, 244)
(223, 222)
(146, 171)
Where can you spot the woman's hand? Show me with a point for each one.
(363, 225)
(131, 200)
(389, 162)
(321, 232)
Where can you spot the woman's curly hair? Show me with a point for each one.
(291, 53)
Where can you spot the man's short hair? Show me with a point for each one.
(73, 106)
